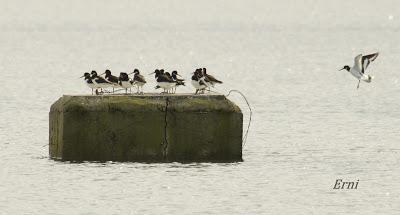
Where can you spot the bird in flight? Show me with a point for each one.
(361, 63)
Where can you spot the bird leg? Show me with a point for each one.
(358, 85)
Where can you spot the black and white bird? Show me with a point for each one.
(138, 80)
(124, 82)
(198, 81)
(164, 80)
(99, 82)
(361, 63)
(179, 81)
(113, 80)
(210, 79)
(88, 81)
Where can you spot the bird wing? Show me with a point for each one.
(113, 79)
(164, 78)
(367, 59)
(123, 77)
(205, 81)
(101, 80)
(358, 64)
(211, 78)
(139, 78)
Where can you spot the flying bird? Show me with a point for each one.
(361, 63)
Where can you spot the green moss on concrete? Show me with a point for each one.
(207, 136)
(138, 128)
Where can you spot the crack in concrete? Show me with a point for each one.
(165, 142)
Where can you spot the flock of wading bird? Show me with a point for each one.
(201, 81)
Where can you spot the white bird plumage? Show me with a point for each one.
(361, 63)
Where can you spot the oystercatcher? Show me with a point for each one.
(361, 63)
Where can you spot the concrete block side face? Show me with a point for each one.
(134, 128)
(108, 128)
(56, 130)
(204, 137)
(204, 129)
(115, 136)
(55, 135)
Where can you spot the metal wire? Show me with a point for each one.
(250, 110)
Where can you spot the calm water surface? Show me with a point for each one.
(310, 124)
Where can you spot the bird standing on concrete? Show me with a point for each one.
(138, 80)
(113, 80)
(210, 79)
(164, 80)
(177, 80)
(198, 81)
(360, 65)
(124, 82)
(88, 81)
(99, 82)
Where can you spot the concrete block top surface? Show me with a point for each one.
(145, 103)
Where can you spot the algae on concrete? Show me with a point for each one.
(149, 128)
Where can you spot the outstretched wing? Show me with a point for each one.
(367, 59)
(358, 63)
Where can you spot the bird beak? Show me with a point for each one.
(82, 76)
(341, 69)
(179, 75)
(103, 73)
(130, 73)
(151, 73)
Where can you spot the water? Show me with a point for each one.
(310, 124)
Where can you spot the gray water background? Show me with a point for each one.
(310, 124)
